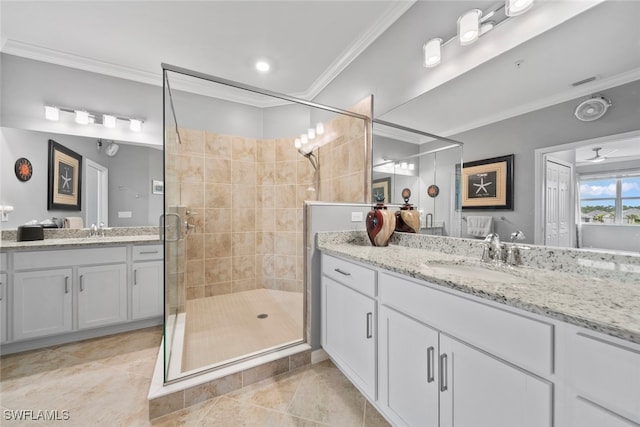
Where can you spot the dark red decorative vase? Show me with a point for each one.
(381, 223)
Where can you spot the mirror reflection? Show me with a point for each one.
(552, 99)
(116, 182)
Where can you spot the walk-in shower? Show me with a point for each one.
(239, 164)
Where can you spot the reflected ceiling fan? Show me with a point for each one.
(600, 157)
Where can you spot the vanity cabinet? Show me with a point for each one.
(349, 321)
(42, 303)
(147, 296)
(102, 295)
(3, 297)
(605, 378)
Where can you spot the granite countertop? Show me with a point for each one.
(69, 238)
(78, 242)
(607, 302)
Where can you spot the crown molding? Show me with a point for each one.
(39, 53)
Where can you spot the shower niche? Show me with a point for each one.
(239, 164)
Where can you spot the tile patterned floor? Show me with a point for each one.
(104, 382)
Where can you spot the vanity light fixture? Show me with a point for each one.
(51, 113)
(517, 7)
(135, 125)
(432, 52)
(469, 27)
(474, 24)
(82, 117)
(109, 121)
(85, 117)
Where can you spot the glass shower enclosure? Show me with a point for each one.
(239, 163)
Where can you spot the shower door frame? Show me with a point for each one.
(214, 79)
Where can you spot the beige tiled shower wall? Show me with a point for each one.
(245, 198)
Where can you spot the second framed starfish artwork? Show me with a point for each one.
(65, 178)
(487, 184)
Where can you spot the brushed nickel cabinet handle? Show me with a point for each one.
(369, 325)
(66, 285)
(135, 277)
(443, 372)
(148, 252)
(82, 283)
(344, 273)
(430, 362)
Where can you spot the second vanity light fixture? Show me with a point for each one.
(85, 117)
(471, 26)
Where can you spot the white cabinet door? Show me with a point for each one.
(148, 286)
(588, 414)
(102, 295)
(3, 307)
(42, 303)
(349, 320)
(408, 370)
(478, 390)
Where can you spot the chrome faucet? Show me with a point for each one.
(93, 231)
(492, 248)
(101, 229)
(514, 256)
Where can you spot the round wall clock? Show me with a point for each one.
(23, 169)
(433, 190)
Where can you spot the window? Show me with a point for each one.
(610, 199)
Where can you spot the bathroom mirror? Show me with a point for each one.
(130, 172)
(408, 159)
(524, 102)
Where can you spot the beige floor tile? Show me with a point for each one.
(372, 417)
(191, 416)
(273, 393)
(327, 397)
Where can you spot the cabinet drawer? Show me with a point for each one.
(606, 373)
(69, 257)
(357, 277)
(496, 331)
(148, 252)
(3, 262)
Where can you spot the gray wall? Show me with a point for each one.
(551, 126)
(133, 167)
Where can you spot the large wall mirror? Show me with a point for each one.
(526, 102)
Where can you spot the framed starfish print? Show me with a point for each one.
(488, 184)
(65, 178)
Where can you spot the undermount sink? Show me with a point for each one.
(477, 271)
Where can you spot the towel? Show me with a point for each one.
(479, 226)
(73, 222)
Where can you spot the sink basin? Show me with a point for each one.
(473, 271)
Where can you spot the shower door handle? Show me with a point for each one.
(162, 226)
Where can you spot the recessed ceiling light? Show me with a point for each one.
(262, 66)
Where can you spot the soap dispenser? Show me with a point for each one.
(407, 218)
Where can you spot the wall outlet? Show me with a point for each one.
(124, 214)
(356, 216)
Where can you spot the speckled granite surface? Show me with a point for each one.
(597, 291)
(62, 237)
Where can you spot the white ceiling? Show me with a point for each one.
(307, 42)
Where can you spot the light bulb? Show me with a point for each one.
(82, 117)
(469, 26)
(51, 113)
(404, 165)
(517, 7)
(311, 133)
(320, 128)
(304, 139)
(262, 66)
(432, 52)
(109, 121)
(297, 143)
(135, 125)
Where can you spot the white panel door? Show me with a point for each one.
(102, 295)
(42, 303)
(559, 204)
(478, 390)
(408, 370)
(147, 293)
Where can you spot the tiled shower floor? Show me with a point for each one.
(104, 382)
(238, 329)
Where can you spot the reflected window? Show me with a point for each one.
(610, 200)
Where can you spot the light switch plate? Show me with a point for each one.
(356, 216)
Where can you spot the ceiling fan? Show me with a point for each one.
(600, 157)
